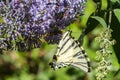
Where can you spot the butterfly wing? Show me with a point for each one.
(70, 52)
(80, 58)
(65, 50)
(64, 42)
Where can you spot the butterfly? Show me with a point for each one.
(70, 53)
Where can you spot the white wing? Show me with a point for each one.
(80, 58)
(70, 52)
(64, 43)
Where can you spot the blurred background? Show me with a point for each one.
(34, 64)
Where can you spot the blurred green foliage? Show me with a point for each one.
(33, 65)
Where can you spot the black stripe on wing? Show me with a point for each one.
(68, 34)
(82, 52)
(81, 64)
(78, 43)
(64, 44)
(68, 48)
(81, 55)
(64, 39)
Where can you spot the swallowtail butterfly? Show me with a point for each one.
(70, 53)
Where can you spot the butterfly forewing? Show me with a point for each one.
(65, 50)
(64, 42)
(66, 58)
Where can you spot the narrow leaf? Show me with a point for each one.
(100, 20)
(117, 14)
(115, 26)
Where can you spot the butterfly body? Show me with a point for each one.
(70, 53)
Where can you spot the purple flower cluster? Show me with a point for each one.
(23, 23)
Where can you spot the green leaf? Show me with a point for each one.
(115, 26)
(100, 20)
(104, 4)
(92, 23)
(89, 10)
(117, 14)
(115, 1)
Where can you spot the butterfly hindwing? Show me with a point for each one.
(80, 59)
